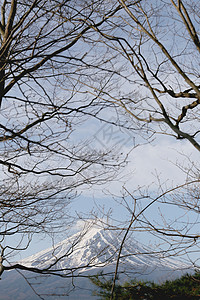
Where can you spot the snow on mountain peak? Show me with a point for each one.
(97, 247)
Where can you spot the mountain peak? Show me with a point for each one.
(89, 247)
(97, 247)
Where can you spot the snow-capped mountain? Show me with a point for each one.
(96, 248)
(88, 252)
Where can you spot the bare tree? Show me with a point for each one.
(152, 73)
(64, 61)
(168, 219)
(42, 51)
(152, 65)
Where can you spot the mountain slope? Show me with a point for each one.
(96, 248)
(83, 254)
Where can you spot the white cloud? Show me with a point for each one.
(149, 162)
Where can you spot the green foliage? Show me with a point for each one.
(186, 287)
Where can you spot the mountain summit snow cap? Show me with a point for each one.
(96, 248)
